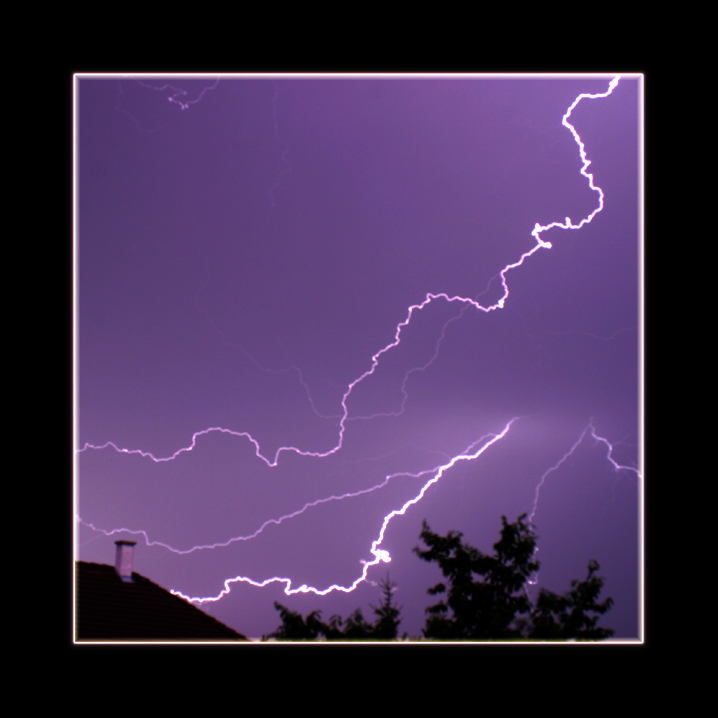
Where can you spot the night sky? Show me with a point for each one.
(247, 246)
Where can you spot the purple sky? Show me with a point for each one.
(245, 248)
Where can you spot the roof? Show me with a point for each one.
(109, 608)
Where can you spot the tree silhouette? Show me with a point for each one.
(294, 626)
(483, 598)
(484, 608)
(355, 627)
(557, 617)
(487, 596)
(387, 623)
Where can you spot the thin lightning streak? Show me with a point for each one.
(380, 555)
(548, 471)
(291, 367)
(411, 371)
(248, 537)
(178, 93)
(609, 457)
(173, 98)
(277, 521)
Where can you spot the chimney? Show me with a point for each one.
(123, 559)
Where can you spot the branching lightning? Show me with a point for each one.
(591, 431)
(178, 96)
(380, 555)
(473, 451)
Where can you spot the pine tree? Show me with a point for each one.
(387, 622)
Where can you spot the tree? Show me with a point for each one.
(561, 617)
(484, 608)
(355, 627)
(387, 622)
(487, 596)
(294, 626)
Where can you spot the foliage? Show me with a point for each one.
(482, 598)
(561, 617)
(484, 608)
(355, 627)
(387, 613)
(487, 597)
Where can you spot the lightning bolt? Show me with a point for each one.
(380, 555)
(470, 453)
